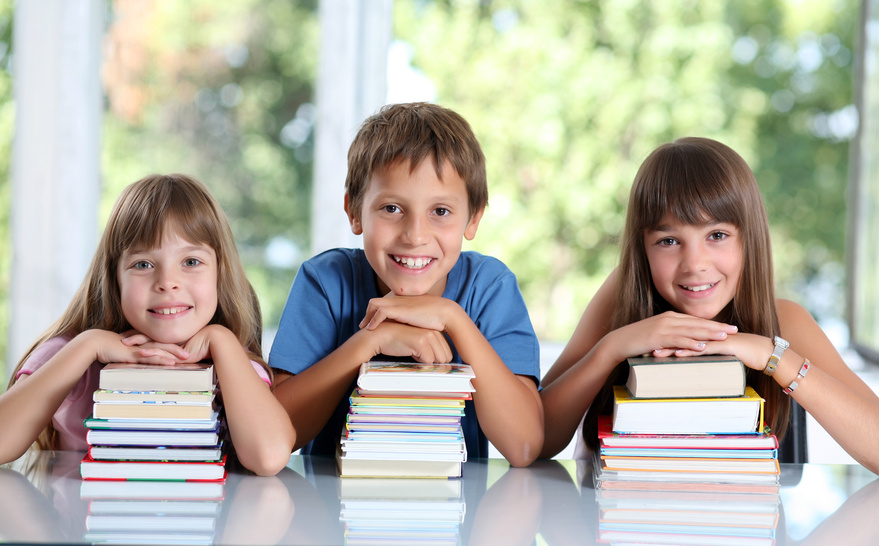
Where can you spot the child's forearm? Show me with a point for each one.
(508, 406)
(28, 406)
(262, 434)
(566, 399)
(310, 397)
(849, 416)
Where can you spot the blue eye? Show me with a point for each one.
(191, 262)
(143, 264)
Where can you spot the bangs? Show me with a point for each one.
(148, 211)
(688, 185)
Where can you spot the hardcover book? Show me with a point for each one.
(385, 468)
(686, 377)
(739, 415)
(121, 470)
(679, 464)
(158, 453)
(144, 377)
(115, 437)
(160, 424)
(152, 410)
(131, 397)
(415, 377)
(610, 439)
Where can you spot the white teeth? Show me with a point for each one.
(700, 288)
(170, 310)
(413, 263)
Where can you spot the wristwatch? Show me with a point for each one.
(780, 346)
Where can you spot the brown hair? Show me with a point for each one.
(138, 220)
(414, 132)
(695, 179)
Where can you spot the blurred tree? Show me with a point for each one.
(569, 96)
(566, 96)
(223, 91)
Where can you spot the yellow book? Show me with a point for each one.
(729, 415)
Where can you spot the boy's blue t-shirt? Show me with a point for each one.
(329, 299)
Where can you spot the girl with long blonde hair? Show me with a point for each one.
(166, 286)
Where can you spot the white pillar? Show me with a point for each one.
(351, 85)
(55, 160)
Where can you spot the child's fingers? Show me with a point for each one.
(374, 317)
(437, 350)
(174, 351)
(156, 357)
(376, 313)
(135, 339)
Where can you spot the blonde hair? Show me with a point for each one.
(142, 213)
(694, 180)
(415, 132)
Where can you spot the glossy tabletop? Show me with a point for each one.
(43, 500)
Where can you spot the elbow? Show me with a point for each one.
(266, 463)
(870, 464)
(269, 458)
(527, 453)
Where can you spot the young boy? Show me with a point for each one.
(416, 187)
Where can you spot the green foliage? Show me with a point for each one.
(224, 93)
(568, 97)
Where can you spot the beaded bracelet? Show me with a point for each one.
(800, 376)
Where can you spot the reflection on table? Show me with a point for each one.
(553, 502)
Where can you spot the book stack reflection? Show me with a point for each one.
(139, 512)
(379, 511)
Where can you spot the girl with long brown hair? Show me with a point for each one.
(696, 277)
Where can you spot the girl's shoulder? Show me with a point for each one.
(797, 324)
(791, 311)
(42, 353)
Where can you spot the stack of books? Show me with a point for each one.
(155, 423)
(129, 512)
(405, 421)
(672, 463)
(401, 511)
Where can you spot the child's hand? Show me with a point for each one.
(753, 350)
(424, 345)
(426, 311)
(199, 346)
(669, 333)
(132, 347)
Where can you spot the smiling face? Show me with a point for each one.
(169, 293)
(696, 268)
(413, 226)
